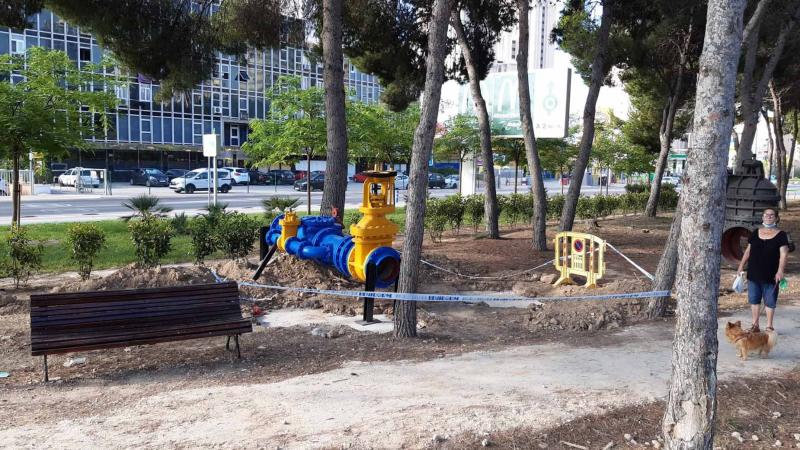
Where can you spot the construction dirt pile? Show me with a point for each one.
(585, 315)
(132, 277)
(295, 272)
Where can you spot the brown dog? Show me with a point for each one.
(747, 341)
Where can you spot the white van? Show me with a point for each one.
(197, 180)
(78, 176)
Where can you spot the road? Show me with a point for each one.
(66, 205)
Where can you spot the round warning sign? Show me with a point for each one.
(577, 244)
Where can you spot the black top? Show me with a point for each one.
(765, 256)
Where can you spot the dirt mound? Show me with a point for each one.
(584, 315)
(11, 304)
(132, 277)
(294, 272)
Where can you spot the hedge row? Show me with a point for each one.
(453, 211)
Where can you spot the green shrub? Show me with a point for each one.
(518, 207)
(474, 209)
(236, 233)
(84, 242)
(555, 206)
(436, 219)
(668, 198)
(180, 223)
(351, 217)
(144, 206)
(151, 240)
(214, 213)
(585, 207)
(24, 256)
(204, 241)
(635, 188)
(453, 210)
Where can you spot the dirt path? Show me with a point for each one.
(397, 404)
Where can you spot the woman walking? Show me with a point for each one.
(766, 254)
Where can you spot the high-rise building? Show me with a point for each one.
(542, 18)
(148, 133)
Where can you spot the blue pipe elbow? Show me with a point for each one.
(387, 262)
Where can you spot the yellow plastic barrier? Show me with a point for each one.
(579, 254)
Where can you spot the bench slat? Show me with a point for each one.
(108, 316)
(164, 330)
(129, 343)
(156, 294)
(114, 304)
(53, 333)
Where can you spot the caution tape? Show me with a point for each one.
(476, 277)
(644, 272)
(454, 298)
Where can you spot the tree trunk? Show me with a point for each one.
(308, 180)
(752, 93)
(16, 199)
(664, 137)
(780, 147)
(771, 155)
(790, 162)
(405, 313)
(688, 421)
(665, 272)
(585, 149)
(516, 171)
(484, 127)
(333, 193)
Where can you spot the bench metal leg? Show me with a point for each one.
(46, 378)
(238, 352)
(228, 344)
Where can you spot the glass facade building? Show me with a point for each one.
(148, 133)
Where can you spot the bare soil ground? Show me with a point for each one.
(113, 380)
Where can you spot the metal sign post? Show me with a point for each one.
(211, 148)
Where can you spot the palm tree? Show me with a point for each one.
(145, 206)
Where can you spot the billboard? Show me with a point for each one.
(550, 92)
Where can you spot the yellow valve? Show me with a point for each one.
(579, 254)
(374, 229)
(289, 225)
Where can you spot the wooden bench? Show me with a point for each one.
(80, 321)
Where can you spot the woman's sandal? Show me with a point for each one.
(754, 329)
(770, 329)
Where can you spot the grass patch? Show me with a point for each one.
(119, 247)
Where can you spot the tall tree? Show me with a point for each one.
(460, 139)
(539, 218)
(688, 421)
(335, 188)
(478, 24)
(572, 31)
(764, 47)
(668, 55)
(295, 127)
(48, 105)
(405, 313)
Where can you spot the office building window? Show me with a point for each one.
(513, 49)
(235, 135)
(122, 93)
(145, 93)
(17, 45)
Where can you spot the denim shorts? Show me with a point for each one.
(768, 291)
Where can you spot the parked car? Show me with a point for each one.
(149, 177)
(451, 182)
(197, 180)
(257, 176)
(435, 180)
(88, 177)
(3, 187)
(175, 173)
(317, 182)
(239, 175)
(283, 176)
(670, 180)
(359, 177)
(401, 181)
